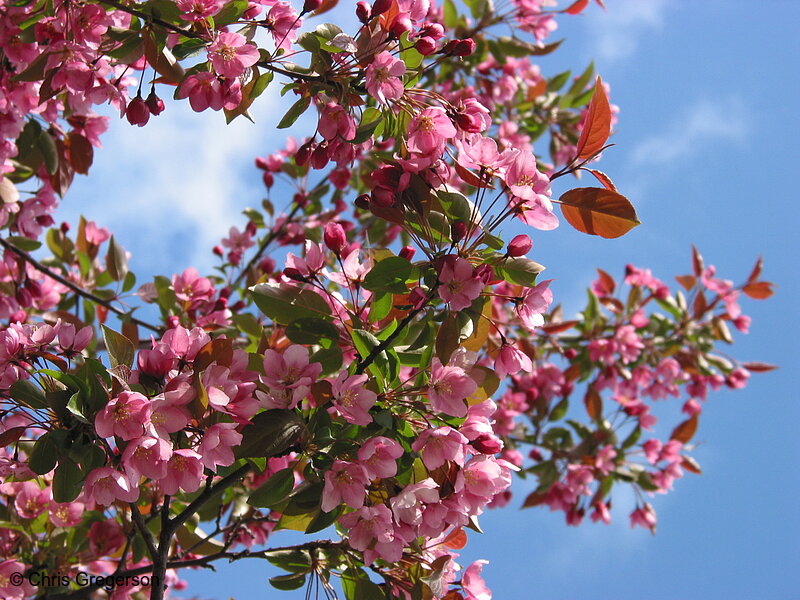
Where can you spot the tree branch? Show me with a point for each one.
(75, 288)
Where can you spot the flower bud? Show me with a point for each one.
(425, 46)
(459, 47)
(432, 30)
(520, 245)
(362, 202)
(380, 6)
(137, 112)
(262, 163)
(363, 12)
(300, 199)
(383, 196)
(335, 238)
(64, 227)
(154, 104)
(173, 321)
(218, 250)
(458, 231)
(417, 297)
(570, 353)
(304, 153)
(267, 264)
(468, 123)
(485, 273)
(293, 274)
(402, 24)
(407, 252)
(268, 179)
(487, 444)
(311, 5)
(319, 158)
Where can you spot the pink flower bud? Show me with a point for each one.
(458, 231)
(363, 11)
(303, 153)
(335, 238)
(137, 112)
(293, 274)
(402, 24)
(218, 250)
(383, 196)
(425, 46)
(268, 179)
(487, 444)
(407, 252)
(485, 273)
(520, 245)
(262, 163)
(417, 297)
(64, 227)
(362, 202)
(468, 123)
(380, 6)
(311, 5)
(154, 104)
(459, 47)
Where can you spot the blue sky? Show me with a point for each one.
(707, 134)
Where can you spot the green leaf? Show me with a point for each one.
(389, 275)
(293, 560)
(559, 410)
(310, 330)
(323, 520)
(28, 393)
(297, 109)
(44, 455)
(23, 243)
(284, 303)
(120, 349)
(450, 14)
(518, 270)
(67, 481)
(274, 490)
(456, 206)
(556, 82)
(270, 433)
(288, 582)
(116, 261)
(230, 12)
(380, 306)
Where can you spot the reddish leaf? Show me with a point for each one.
(598, 123)
(537, 89)
(61, 179)
(691, 465)
(593, 402)
(759, 367)
(613, 305)
(598, 211)
(163, 62)
(447, 338)
(561, 326)
(572, 372)
(576, 7)
(686, 430)
(697, 262)
(456, 540)
(700, 304)
(759, 290)
(471, 178)
(687, 281)
(534, 499)
(131, 331)
(79, 152)
(387, 18)
(219, 350)
(9, 436)
(607, 281)
(325, 7)
(603, 178)
(756, 273)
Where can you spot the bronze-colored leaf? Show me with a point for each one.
(560, 327)
(576, 7)
(456, 540)
(607, 281)
(603, 179)
(219, 350)
(691, 465)
(756, 272)
(759, 290)
(79, 152)
(598, 211)
(687, 281)
(759, 367)
(593, 402)
(598, 123)
(686, 430)
(697, 262)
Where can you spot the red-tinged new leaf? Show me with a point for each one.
(79, 152)
(163, 62)
(593, 403)
(759, 290)
(687, 281)
(560, 327)
(607, 281)
(456, 540)
(598, 123)
(325, 7)
(700, 304)
(697, 262)
(686, 430)
(10, 436)
(691, 465)
(534, 499)
(471, 178)
(576, 7)
(759, 367)
(604, 179)
(598, 211)
(219, 350)
(756, 273)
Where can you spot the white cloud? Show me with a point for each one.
(617, 30)
(701, 125)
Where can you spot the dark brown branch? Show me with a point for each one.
(75, 288)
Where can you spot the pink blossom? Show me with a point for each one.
(459, 284)
(601, 513)
(472, 583)
(197, 10)
(124, 416)
(31, 500)
(644, 516)
(216, 447)
(448, 389)
(11, 589)
(105, 485)
(230, 54)
(105, 537)
(345, 482)
(351, 399)
(204, 90)
(147, 456)
(184, 471)
(192, 288)
(604, 459)
(66, 514)
(535, 302)
(312, 263)
(283, 22)
(371, 531)
(72, 341)
(383, 77)
(378, 456)
(510, 361)
(408, 505)
(439, 446)
(334, 121)
(429, 131)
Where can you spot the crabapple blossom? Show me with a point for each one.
(448, 389)
(351, 399)
(344, 482)
(383, 78)
(125, 416)
(378, 456)
(106, 485)
(459, 286)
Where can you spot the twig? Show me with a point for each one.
(75, 288)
